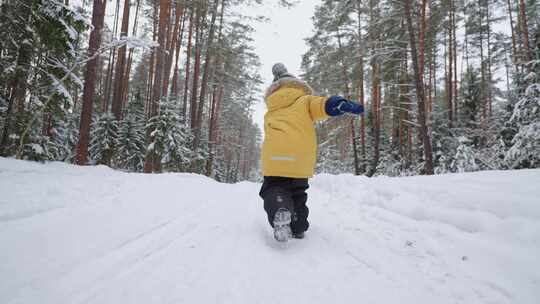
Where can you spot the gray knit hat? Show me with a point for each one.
(279, 70)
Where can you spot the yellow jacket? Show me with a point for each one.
(290, 145)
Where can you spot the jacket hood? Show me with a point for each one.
(276, 98)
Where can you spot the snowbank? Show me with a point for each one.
(90, 234)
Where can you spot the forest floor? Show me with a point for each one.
(94, 235)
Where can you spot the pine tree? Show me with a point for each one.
(471, 101)
(66, 136)
(131, 137)
(525, 149)
(170, 138)
(104, 139)
(464, 160)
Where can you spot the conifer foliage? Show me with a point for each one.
(450, 86)
(81, 85)
(169, 85)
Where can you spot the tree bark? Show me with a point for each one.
(121, 65)
(428, 151)
(106, 101)
(174, 86)
(375, 91)
(361, 90)
(98, 16)
(205, 76)
(482, 65)
(217, 95)
(454, 45)
(130, 58)
(188, 60)
(196, 69)
(164, 9)
(174, 41)
(525, 32)
(450, 70)
(489, 73)
(513, 31)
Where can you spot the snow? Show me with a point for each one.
(94, 235)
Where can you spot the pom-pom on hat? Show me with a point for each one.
(280, 71)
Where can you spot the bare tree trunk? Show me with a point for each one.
(164, 10)
(450, 70)
(188, 60)
(361, 89)
(428, 151)
(121, 65)
(127, 72)
(98, 16)
(513, 31)
(174, 87)
(422, 38)
(375, 90)
(196, 68)
(150, 81)
(525, 32)
(106, 102)
(454, 45)
(151, 71)
(174, 41)
(214, 129)
(205, 76)
(489, 74)
(217, 95)
(482, 65)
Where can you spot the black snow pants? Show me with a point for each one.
(286, 192)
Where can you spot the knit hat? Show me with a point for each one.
(280, 71)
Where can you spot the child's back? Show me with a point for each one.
(290, 149)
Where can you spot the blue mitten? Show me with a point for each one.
(337, 105)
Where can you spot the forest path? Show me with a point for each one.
(92, 235)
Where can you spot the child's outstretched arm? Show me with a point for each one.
(322, 107)
(337, 105)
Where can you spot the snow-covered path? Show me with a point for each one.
(92, 235)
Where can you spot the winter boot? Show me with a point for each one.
(299, 235)
(282, 225)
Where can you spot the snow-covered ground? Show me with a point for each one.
(93, 235)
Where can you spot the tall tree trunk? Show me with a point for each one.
(422, 39)
(525, 32)
(489, 74)
(174, 41)
(121, 65)
(450, 70)
(205, 76)
(375, 91)
(214, 128)
(361, 98)
(428, 151)
(164, 10)
(196, 67)
(152, 70)
(106, 102)
(98, 16)
(127, 72)
(482, 65)
(405, 129)
(513, 32)
(188, 60)
(17, 89)
(174, 87)
(455, 52)
(217, 95)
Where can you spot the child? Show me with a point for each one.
(290, 148)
